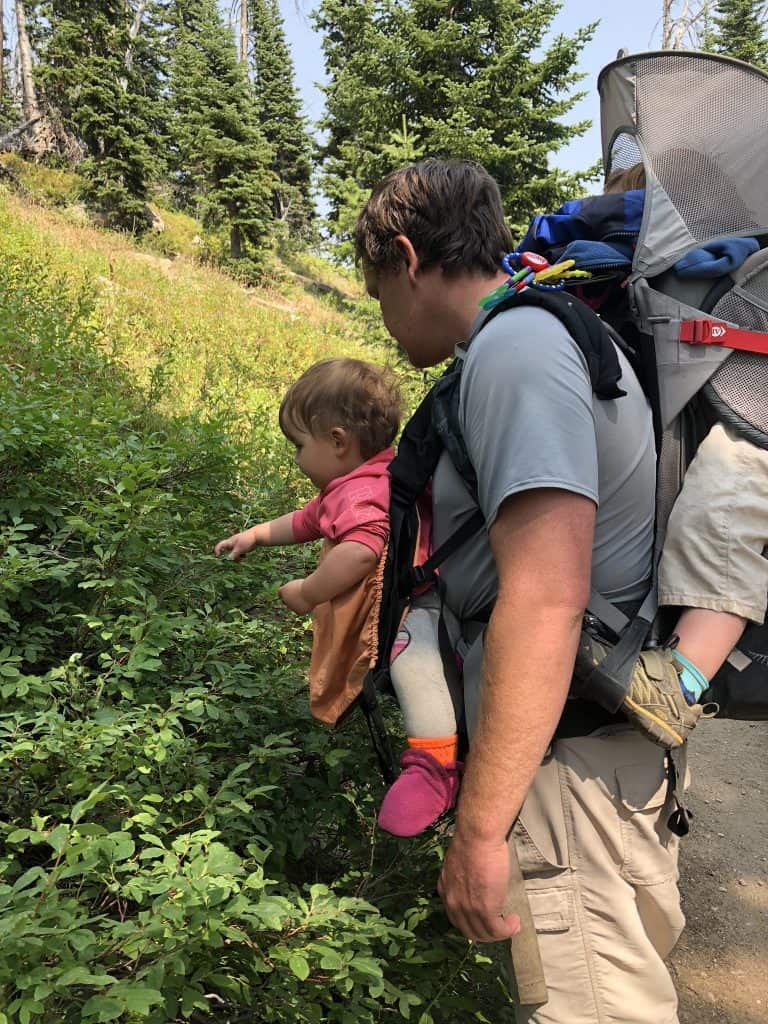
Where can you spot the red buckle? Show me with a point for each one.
(715, 332)
(703, 332)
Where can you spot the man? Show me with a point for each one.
(566, 484)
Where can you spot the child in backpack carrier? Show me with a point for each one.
(712, 567)
(342, 415)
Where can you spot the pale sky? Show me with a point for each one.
(634, 26)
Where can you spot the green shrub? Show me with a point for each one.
(46, 184)
(180, 841)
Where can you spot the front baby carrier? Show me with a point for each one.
(433, 430)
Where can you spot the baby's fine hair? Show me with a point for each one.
(625, 179)
(362, 398)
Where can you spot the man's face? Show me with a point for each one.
(408, 307)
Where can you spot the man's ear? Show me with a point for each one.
(409, 254)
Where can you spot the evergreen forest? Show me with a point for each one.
(179, 840)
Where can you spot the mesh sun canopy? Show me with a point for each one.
(699, 123)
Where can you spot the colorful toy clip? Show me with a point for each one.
(530, 270)
(555, 271)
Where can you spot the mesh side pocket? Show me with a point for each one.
(742, 380)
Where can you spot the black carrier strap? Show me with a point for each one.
(368, 700)
(421, 574)
(610, 680)
(585, 327)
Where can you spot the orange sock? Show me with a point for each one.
(443, 748)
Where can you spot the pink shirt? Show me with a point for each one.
(352, 507)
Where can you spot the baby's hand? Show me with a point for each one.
(290, 594)
(237, 546)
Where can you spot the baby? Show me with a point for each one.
(342, 415)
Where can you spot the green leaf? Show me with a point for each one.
(299, 965)
(366, 965)
(87, 803)
(103, 1008)
(331, 961)
(79, 975)
(58, 837)
(140, 998)
(18, 835)
(222, 861)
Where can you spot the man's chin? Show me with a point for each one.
(422, 360)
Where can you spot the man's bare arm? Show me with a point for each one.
(542, 545)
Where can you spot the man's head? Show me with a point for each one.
(451, 212)
(430, 240)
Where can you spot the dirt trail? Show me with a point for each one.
(721, 963)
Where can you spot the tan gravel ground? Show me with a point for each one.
(721, 962)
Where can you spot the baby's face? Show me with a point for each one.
(318, 457)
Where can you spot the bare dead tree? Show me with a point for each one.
(2, 49)
(682, 23)
(42, 131)
(29, 101)
(133, 34)
(243, 47)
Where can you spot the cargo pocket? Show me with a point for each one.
(649, 848)
(540, 832)
(552, 909)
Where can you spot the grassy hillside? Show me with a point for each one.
(179, 841)
(202, 332)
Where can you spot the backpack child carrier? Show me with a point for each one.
(698, 124)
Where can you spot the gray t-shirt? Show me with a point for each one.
(529, 419)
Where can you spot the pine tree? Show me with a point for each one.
(99, 69)
(279, 110)
(347, 196)
(221, 159)
(470, 78)
(738, 30)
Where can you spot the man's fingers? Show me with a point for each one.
(482, 928)
(481, 924)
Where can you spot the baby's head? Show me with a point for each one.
(625, 179)
(340, 413)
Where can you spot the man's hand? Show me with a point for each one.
(473, 886)
(292, 595)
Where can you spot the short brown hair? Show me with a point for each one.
(450, 210)
(349, 393)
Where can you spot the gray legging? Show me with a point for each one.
(428, 691)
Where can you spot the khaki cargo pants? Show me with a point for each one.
(601, 874)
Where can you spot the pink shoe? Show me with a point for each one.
(423, 791)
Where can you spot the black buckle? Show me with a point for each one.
(420, 576)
